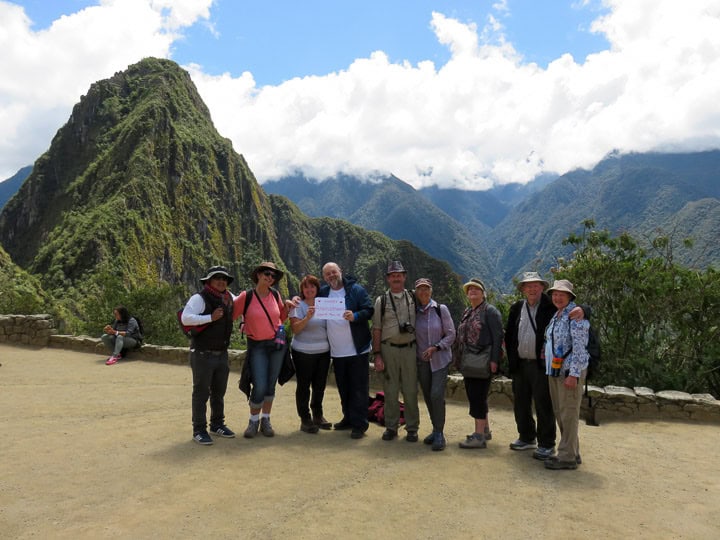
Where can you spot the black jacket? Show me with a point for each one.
(545, 313)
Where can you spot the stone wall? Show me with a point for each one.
(32, 330)
(610, 402)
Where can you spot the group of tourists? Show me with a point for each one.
(412, 342)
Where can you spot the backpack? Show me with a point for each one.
(141, 328)
(595, 352)
(189, 331)
(376, 409)
(593, 349)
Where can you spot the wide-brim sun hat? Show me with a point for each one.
(562, 285)
(531, 277)
(215, 270)
(474, 282)
(267, 265)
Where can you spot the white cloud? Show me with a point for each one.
(484, 117)
(44, 73)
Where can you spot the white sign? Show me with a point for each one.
(329, 308)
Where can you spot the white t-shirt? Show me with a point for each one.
(339, 335)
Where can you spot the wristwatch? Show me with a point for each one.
(437, 346)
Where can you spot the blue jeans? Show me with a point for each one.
(265, 363)
(116, 344)
(432, 384)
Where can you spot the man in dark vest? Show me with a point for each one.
(211, 311)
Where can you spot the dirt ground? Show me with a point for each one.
(91, 451)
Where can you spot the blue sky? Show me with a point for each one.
(279, 40)
(455, 93)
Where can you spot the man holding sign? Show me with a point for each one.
(350, 340)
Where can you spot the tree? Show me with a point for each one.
(659, 322)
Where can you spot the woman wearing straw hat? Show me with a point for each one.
(263, 316)
(566, 361)
(480, 331)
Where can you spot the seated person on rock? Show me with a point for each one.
(123, 335)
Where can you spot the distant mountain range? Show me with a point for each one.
(139, 184)
(498, 233)
(138, 188)
(9, 187)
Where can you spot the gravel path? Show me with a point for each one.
(91, 451)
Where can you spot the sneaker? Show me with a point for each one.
(266, 427)
(357, 433)
(475, 440)
(252, 429)
(542, 453)
(223, 431)
(438, 442)
(112, 360)
(411, 436)
(308, 426)
(488, 434)
(429, 439)
(556, 464)
(522, 445)
(389, 434)
(202, 437)
(321, 422)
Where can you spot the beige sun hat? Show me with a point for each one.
(531, 277)
(474, 282)
(562, 285)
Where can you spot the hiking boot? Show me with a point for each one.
(542, 453)
(252, 429)
(202, 437)
(308, 426)
(556, 464)
(112, 360)
(389, 434)
(475, 440)
(430, 438)
(223, 431)
(488, 433)
(522, 445)
(438, 442)
(411, 436)
(342, 424)
(321, 423)
(266, 427)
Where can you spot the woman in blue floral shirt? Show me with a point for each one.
(566, 361)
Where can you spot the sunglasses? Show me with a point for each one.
(220, 277)
(270, 273)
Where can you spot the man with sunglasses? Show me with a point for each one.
(211, 311)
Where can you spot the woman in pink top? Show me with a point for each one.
(265, 313)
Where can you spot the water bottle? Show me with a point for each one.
(556, 364)
(280, 337)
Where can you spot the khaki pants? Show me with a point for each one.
(400, 374)
(566, 406)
